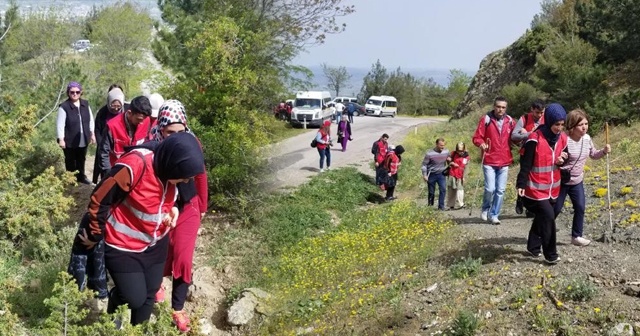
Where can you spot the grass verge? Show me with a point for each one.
(331, 255)
(280, 130)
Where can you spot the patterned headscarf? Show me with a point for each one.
(171, 112)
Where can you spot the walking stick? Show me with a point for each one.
(475, 193)
(606, 136)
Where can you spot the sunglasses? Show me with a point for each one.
(75, 92)
(115, 107)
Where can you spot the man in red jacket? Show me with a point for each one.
(526, 125)
(493, 137)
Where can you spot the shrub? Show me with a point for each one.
(600, 192)
(626, 190)
(465, 324)
(465, 268)
(520, 97)
(577, 289)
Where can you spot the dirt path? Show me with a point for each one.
(507, 271)
(294, 161)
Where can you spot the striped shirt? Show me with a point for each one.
(578, 153)
(434, 162)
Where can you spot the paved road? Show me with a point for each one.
(294, 161)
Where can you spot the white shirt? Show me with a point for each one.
(339, 107)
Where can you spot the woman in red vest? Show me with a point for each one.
(323, 137)
(132, 209)
(192, 203)
(538, 182)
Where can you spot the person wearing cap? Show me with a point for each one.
(192, 203)
(75, 130)
(156, 101)
(323, 137)
(538, 181)
(390, 166)
(132, 210)
(128, 129)
(115, 105)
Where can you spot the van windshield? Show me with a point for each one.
(308, 103)
(374, 102)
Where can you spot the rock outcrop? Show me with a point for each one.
(498, 69)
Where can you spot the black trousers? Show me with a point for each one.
(391, 190)
(179, 293)
(74, 159)
(542, 235)
(138, 290)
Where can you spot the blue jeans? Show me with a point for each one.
(325, 153)
(441, 180)
(338, 117)
(576, 194)
(495, 183)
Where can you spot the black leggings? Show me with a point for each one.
(138, 290)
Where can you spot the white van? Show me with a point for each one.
(381, 106)
(312, 106)
(345, 100)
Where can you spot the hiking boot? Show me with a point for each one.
(534, 254)
(181, 320)
(495, 221)
(519, 208)
(84, 181)
(553, 261)
(485, 215)
(579, 241)
(160, 294)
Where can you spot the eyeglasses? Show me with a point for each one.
(75, 92)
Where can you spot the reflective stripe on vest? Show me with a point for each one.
(144, 216)
(545, 169)
(542, 186)
(126, 230)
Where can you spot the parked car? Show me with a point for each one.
(81, 45)
(360, 110)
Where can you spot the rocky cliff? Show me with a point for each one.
(497, 70)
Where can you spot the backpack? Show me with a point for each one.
(314, 143)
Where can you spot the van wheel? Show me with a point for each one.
(393, 115)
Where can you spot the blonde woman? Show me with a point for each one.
(579, 147)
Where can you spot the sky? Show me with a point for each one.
(423, 34)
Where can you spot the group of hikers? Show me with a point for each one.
(143, 216)
(553, 148)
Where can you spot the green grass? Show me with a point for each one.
(329, 251)
(465, 268)
(280, 130)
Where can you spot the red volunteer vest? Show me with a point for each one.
(382, 151)
(529, 124)
(136, 223)
(544, 177)
(325, 137)
(118, 128)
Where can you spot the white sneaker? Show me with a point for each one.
(495, 221)
(579, 241)
(485, 215)
(321, 170)
(328, 168)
